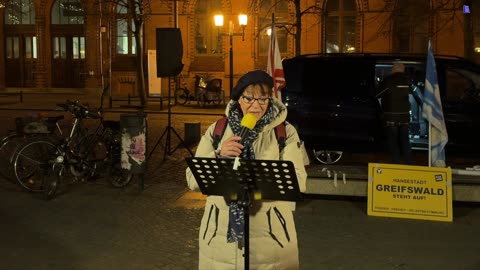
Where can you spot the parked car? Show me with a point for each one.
(332, 100)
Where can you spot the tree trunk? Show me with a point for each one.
(140, 64)
(298, 27)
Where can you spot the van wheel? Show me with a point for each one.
(327, 156)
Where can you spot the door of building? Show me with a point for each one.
(21, 58)
(68, 61)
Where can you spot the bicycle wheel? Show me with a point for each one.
(201, 99)
(217, 98)
(51, 181)
(8, 147)
(116, 175)
(32, 162)
(90, 153)
(181, 94)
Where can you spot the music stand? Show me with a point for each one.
(251, 180)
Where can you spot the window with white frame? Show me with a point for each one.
(280, 9)
(410, 34)
(340, 26)
(208, 40)
(125, 27)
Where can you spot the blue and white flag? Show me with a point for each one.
(432, 111)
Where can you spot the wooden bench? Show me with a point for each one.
(9, 94)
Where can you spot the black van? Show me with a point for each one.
(332, 100)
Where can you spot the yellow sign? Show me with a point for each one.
(415, 192)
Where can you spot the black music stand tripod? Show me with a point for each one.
(250, 180)
(168, 150)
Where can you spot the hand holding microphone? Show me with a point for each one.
(248, 123)
(233, 146)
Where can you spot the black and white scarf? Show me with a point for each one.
(236, 222)
(234, 119)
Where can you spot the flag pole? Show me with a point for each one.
(274, 63)
(272, 26)
(429, 144)
(272, 55)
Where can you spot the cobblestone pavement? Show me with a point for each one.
(92, 225)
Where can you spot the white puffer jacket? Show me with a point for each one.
(273, 240)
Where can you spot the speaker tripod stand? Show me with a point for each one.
(167, 132)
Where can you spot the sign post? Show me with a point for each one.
(414, 192)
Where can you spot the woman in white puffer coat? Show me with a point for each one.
(272, 234)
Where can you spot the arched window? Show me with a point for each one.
(126, 44)
(207, 37)
(20, 12)
(411, 26)
(67, 12)
(340, 26)
(280, 9)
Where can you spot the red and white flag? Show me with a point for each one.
(274, 65)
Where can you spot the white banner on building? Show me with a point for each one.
(154, 83)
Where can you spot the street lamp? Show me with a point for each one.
(242, 21)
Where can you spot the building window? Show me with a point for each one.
(67, 12)
(17, 14)
(12, 48)
(20, 12)
(280, 9)
(207, 36)
(475, 10)
(126, 44)
(31, 47)
(411, 26)
(78, 47)
(340, 26)
(59, 48)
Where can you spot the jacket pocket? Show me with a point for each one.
(277, 226)
(211, 226)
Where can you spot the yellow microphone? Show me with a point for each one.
(248, 123)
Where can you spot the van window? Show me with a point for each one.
(414, 72)
(338, 78)
(459, 87)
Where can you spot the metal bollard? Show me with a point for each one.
(192, 133)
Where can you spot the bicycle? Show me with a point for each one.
(26, 128)
(81, 155)
(211, 92)
(183, 95)
(206, 92)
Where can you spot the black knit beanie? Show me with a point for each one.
(255, 76)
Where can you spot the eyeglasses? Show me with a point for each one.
(251, 100)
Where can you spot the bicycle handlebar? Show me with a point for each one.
(79, 110)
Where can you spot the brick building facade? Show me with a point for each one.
(78, 44)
